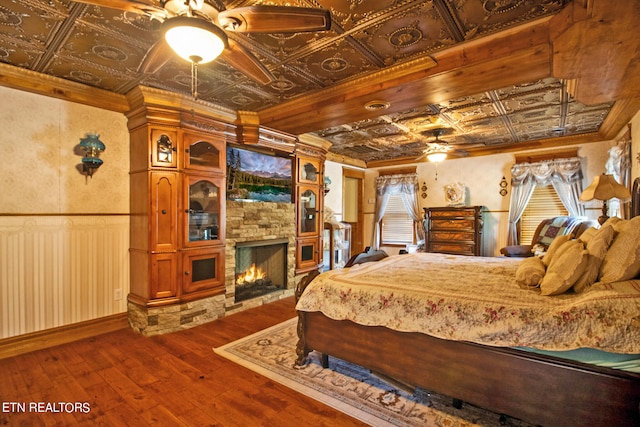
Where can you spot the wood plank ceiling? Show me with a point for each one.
(493, 75)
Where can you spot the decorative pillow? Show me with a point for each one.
(565, 269)
(597, 249)
(622, 261)
(616, 223)
(530, 272)
(588, 234)
(551, 231)
(553, 247)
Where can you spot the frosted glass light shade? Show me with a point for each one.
(194, 39)
(436, 157)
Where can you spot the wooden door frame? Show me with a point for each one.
(359, 175)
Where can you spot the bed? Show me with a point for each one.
(491, 331)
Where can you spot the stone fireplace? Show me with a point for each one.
(259, 235)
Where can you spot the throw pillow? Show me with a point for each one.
(530, 272)
(588, 234)
(565, 269)
(553, 247)
(622, 261)
(597, 247)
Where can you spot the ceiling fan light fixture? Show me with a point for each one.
(437, 156)
(194, 39)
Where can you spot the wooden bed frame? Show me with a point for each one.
(534, 388)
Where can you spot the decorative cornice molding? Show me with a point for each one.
(55, 87)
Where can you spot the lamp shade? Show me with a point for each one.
(605, 187)
(194, 39)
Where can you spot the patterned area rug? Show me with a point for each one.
(350, 388)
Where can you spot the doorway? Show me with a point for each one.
(352, 206)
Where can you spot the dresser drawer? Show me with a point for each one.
(452, 224)
(453, 236)
(454, 213)
(453, 248)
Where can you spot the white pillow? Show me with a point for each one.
(622, 261)
(566, 267)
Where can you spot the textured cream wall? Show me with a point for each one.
(481, 176)
(38, 173)
(64, 238)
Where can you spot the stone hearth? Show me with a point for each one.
(256, 221)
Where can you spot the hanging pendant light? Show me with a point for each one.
(195, 40)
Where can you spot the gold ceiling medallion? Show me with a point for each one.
(109, 53)
(494, 7)
(376, 105)
(334, 64)
(406, 36)
(282, 84)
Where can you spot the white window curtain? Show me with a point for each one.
(565, 175)
(407, 187)
(619, 165)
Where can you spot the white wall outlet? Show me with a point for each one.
(117, 294)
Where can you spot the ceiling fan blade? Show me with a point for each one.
(158, 55)
(147, 7)
(244, 61)
(459, 153)
(275, 19)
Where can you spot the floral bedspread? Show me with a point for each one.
(477, 299)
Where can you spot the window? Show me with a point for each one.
(397, 224)
(545, 203)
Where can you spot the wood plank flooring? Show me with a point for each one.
(123, 379)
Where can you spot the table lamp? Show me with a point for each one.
(605, 187)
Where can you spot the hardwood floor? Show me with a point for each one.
(123, 379)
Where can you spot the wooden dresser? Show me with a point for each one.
(454, 230)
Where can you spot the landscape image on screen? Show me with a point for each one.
(254, 176)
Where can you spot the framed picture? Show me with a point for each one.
(454, 194)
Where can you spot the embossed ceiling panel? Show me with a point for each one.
(103, 47)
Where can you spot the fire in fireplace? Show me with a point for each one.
(261, 268)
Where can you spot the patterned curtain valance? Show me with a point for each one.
(397, 184)
(546, 172)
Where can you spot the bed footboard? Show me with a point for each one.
(534, 388)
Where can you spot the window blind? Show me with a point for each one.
(397, 225)
(545, 203)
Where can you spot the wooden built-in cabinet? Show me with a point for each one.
(309, 207)
(454, 230)
(178, 196)
(177, 179)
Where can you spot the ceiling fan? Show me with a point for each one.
(438, 149)
(196, 31)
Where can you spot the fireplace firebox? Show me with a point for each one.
(261, 268)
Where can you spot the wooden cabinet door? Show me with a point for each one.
(203, 269)
(164, 187)
(308, 254)
(164, 271)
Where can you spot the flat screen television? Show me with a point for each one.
(255, 176)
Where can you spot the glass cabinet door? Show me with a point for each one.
(308, 170)
(308, 211)
(203, 213)
(204, 153)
